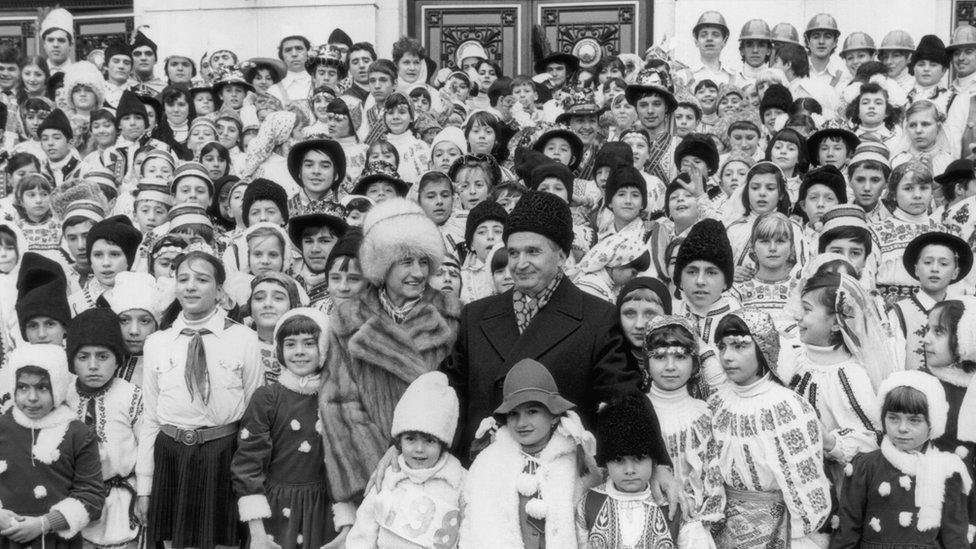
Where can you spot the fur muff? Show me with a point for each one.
(370, 362)
(395, 229)
(491, 496)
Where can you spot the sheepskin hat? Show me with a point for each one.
(707, 241)
(628, 426)
(96, 326)
(84, 73)
(429, 406)
(48, 357)
(393, 229)
(928, 385)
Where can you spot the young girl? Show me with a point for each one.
(111, 249)
(446, 147)
(426, 477)
(383, 151)
(278, 469)
(342, 128)
(873, 117)
(474, 178)
(51, 468)
(204, 101)
(788, 150)
(523, 488)
(672, 354)
(266, 248)
(216, 159)
(414, 153)
(272, 295)
(911, 187)
(344, 275)
(113, 408)
(925, 137)
(32, 202)
(769, 440)
(772, 249)
(908, 493)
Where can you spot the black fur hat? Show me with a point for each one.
(707, 241)
(545, 214)
(487, 210)
(628, 426)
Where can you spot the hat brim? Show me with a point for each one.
(565, 117)
(851, 140)
(298, 224)
(219, 86)
(556, 404)
(634, 92)
(953, 242)
(274, 64)
(332, 148)
(571, 61)
(948, 177)
(575, 143)
(953, 47)
(400, 186)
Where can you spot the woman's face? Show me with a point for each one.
(262, 80)
(443, 155)
(487, 75)
(408, 67)
(269, 301)
(872, 108)
(481, 139)
(763, 193)
(177, 112)
(33, 78)
(407, 278)
(216, 166)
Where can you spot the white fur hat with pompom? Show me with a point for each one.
(394, 229)
(429, 406)
(48, 357)
(928, 385)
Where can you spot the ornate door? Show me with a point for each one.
(590, 30)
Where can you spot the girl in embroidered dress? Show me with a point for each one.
(522, 489)
(908, 493)
(50, 476)
(771, 247)
(910, 185)
(622, 512)
(672, 354)
(35, 218)
(425, 482)
(112, 407)
(278, 467)
(769, 444)
(414, 153)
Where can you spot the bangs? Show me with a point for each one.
(905, 400)
(298, 325)
(671, 335)
(772, 225)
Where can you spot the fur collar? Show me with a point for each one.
(952, 375)
(305, 385)
(52, 429)
(351, 314)
(492, 497)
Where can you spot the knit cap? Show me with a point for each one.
(621, 176)
(429, 406)
(42, 290)
(628, 426)
(118, 230)
(57, 120)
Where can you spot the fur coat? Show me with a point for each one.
(491, 497)
(369, 364)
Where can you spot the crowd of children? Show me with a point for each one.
(252, 301)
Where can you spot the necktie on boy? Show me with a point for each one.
(196, 374)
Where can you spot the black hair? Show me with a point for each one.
(32, 370)
(949, 314)
(405, 45)
(9, 55)
(829, 281)
(281, 45)
(790, 135)
(871, 164)
(420, 92)
(905, 400)
(510, 187)
(668, 253)
(764, 168)
(689, 105)
(732, 325)
(19, 160)
(363, 46)
(433, 177)
(396, 440)
(361, 204)
(108, 116)
(858, 235)
(220, 273)
(296, 325)
(805, 105)
(892, 114)
(385, 146)
(796, 56)
(494, 65)
(674, 335)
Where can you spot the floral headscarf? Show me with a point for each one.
(274, 132)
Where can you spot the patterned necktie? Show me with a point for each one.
(195, 372)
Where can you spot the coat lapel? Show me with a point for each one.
(552, 324)
(499, 325)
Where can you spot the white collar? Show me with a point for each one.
(304, 385)
(642, 496)
(951, 374)
(755, 388)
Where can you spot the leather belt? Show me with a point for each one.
(194, 437)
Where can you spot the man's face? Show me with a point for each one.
(119, 68)
(359, 62)
(964, 61)
(534, 261)
(222, 58)
(710, 41)
(294, 54)
(821, 43)
(381, 86)
(144, 60)
(179, 70)
(586, 127)
(755, 52)
(557, 74)
(9, 75)
(57, 46)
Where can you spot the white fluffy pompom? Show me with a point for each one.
(40, 492)
(3, 466)
(527, 484)
(299, 539)
(848, 470)
(245, 434)
(971, 533)
(962, 452)
(536, 508)
(295, 425)
(286, 512)
(875, 524)
(305, 447)
(834, 522)
(905, 481)
(905, 519)
(884, 489)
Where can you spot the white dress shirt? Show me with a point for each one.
(295, 86)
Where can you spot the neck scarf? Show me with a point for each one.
(527, 306)
(930, 468)
(398, 314)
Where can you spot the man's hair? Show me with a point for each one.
(796, 57)
(363, 46)
(384, 66)
(281, 45)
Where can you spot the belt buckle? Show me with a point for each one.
(189, 437)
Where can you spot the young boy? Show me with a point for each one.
(318, 166)
(314, 235)
(833, 146)
(113, 407)
(711, 34)
(111, 247)
(191, 183)
(79, 207)
(868, 173)
(379, 182)
(483, 231)
(625, 196)
(264, 201)
(687, 115)
(845, 232)
(60, 157)
(52, 484)
(704, 272)
(382, 83)
(426, 476)
(936, 260)
(628, 435)
(524, 109)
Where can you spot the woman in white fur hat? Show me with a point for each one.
(380, 341)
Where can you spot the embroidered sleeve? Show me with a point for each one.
(712, 507)
(793, 430)
(856, 411)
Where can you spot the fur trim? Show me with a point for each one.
(84, 73)
(343, 514)
(929, 386)
(74, 514)
(254, 506)
(52, 429)
(491, 493)
(304, 385)
(395, 229)
(952, 375)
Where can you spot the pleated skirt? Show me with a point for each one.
(192, 502)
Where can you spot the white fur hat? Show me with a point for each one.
(966, 330)
(929, 386)
(135, 290)
(48, 357)
(84, 73)
(392, 230)
(430, 406)
(59, 18)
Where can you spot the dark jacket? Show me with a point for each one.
(575, 335)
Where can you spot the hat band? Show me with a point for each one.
(85, 209)
(190, 219)
(532, 389)
(877, 157)
(158, 196)
(845, 221)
